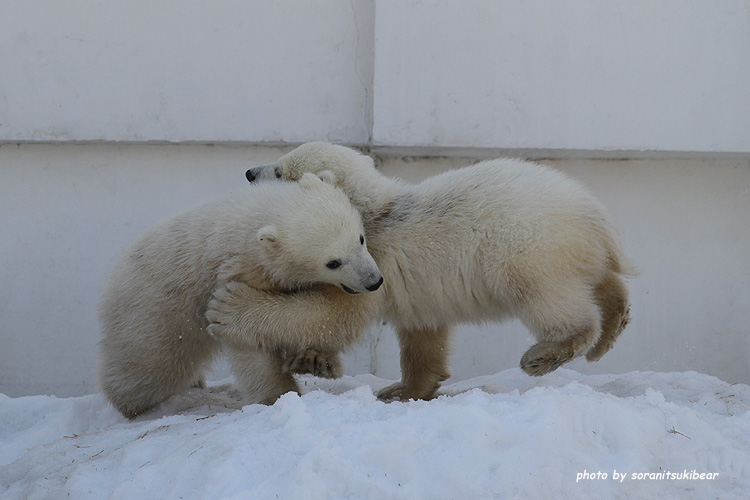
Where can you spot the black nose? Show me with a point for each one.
(374, 287)
(250, 175)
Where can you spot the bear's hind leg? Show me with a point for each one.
(260, 374)
(565, 321)
(424, 363)
(611, 295)
(135, 388)
(546, 357)
(136, 375)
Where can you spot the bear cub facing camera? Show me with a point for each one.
(276, 243)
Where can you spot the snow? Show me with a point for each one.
(500, 436)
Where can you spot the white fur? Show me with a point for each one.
(502, 238)
(271, 239)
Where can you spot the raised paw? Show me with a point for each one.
(544, 357)
(320, 364)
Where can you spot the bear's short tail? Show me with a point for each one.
(616, 260)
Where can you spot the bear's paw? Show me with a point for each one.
(227, 308)
(320, 364)
(545, 357)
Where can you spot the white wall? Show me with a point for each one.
(259, 71)
(546, 75)
(670, 75)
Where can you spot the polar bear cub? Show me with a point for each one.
(502, 238)
(304, 238)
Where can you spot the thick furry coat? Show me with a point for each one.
(276, 241)
(499, 239)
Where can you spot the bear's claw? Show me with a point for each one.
(403, 392)
(543, 358)
(320, 364)
(226, 309)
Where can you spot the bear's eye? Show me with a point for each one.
(277, 172)
(333, 264)
(361, 239)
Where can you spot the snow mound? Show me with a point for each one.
(565, 435)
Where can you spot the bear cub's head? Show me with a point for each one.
(330, 162)
(320, 239)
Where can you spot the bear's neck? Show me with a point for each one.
(371, 192)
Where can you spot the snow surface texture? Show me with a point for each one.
(501, 436)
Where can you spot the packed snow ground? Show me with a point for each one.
(503, 436)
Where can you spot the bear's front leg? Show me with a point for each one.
(313, 362)
(323, 317)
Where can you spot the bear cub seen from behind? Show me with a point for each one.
(503, 238)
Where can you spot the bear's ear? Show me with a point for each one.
(328, 177)
(309, 180)
(268, 235)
